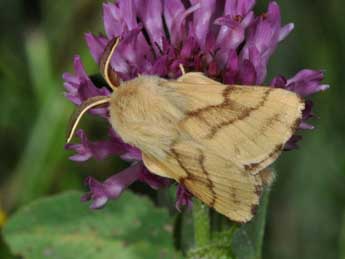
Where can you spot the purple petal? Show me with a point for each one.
(307, 114)
(160, 66)
(119, 18)
(178, 30)
(150, 13)
(79, 87)
(133, 51)
(263, 37)
(96, 45)
(306, 126)
(307, 75)
(232, 67)
(307, 82)
(247, 73)
(133, 55)
(308, 110)
(154, 181)
(304, 83)
(172, 10)
(202, 19)
(238, 7)
(292, 143)
(130, 153)
(268, 29)
(98, 150)
(231, 32)
(183, 198)
(189, 48)
(279, 81)
(238, 17)
(285, 31)
(113, 20)
(112, 188)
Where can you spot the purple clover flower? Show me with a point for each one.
(223, 39)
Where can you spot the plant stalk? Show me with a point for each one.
(201, 221)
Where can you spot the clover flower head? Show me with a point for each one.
(225, 40)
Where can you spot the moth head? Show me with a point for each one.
(112, 79)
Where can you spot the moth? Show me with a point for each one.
(217, 140)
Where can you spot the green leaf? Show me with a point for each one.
(248, 239)
(63, 227)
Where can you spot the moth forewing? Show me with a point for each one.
(248, 125)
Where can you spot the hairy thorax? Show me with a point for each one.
(143, 116)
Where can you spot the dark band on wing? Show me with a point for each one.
(229, 104)
(245, 112)
(273, 154)
(193, 178)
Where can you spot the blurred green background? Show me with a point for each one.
(37, 42)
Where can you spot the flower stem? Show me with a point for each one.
(260, 223)
(201, 224)
(247, 241)
(217, 237)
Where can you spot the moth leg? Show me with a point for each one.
(267, 176)
(183, 71)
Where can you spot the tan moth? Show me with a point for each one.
(215, 139)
